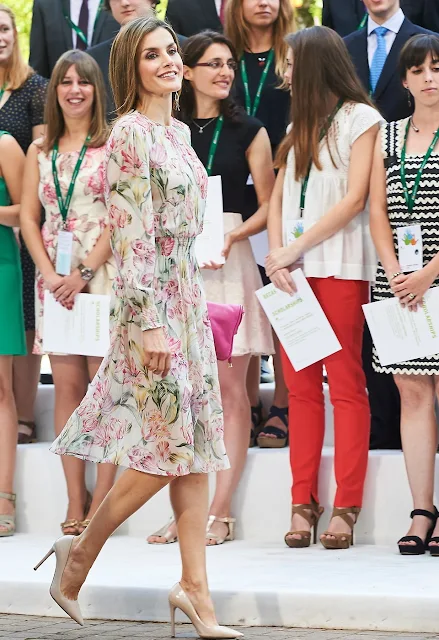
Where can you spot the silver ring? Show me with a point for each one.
(411, 296)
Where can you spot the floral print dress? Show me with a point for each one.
(131, 417)
(87, 219)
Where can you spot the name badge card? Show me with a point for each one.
(410, 248)
(64, 252)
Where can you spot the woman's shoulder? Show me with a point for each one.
(131, 123)
(355, 110)
(34, 82)
(180, 126)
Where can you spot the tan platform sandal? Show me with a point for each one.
(312, 514)
(72, 527)
(230, 522)
(7, 521)
(342, 540)
(164, 532)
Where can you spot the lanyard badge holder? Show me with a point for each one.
(252, 109)
(64, 251)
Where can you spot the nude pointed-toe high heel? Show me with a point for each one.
(61, 549)
(179, 600)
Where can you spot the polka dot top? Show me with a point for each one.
(24, 109)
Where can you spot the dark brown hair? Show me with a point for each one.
(193, 50)
(87, 68)
(416, 50)
(322, 68)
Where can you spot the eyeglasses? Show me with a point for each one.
(216, 65)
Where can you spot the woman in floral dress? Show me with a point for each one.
(74, 111)
(155, 404)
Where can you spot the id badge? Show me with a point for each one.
(410, 248)
(64, 253)
(295, 229)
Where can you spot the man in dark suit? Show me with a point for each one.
(189, 17)
(122, 11)
(375, 52)
(345, 16)
(55, 29)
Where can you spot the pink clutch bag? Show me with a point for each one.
(225, 320)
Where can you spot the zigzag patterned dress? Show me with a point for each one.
(426, 213)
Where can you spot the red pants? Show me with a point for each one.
(341, 301)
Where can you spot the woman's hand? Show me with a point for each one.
(281, 258)
(212, 266)
(411, 288)
(156, 352)
(68, 288)
(229, 239)
(283, 280)
(52, 281)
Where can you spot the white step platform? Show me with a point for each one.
(366, 587)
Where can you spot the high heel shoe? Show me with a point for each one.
(165, 532)
(61, 549)
(311, 513)
(420, 546)
(342, 540)
(179, 600)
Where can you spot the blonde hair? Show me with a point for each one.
(17, 71)
(124, 58)
(87, 68)
(238, 30)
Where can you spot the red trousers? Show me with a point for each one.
(341, 301)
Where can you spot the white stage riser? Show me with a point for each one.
(262, 503)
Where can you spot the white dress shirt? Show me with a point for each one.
(218, 6)
(393, 25)
(75, 9)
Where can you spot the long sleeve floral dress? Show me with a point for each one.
(156, 192)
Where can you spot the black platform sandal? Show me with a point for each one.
(274, 437)
(257, 417)
(420, 546)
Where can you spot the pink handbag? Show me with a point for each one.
(225, 320)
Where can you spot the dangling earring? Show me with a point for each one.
(409, 97)
(176, 105)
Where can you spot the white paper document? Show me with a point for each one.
(399, 334)
(84, 331)
(210, 243)
(299, 322)
(260, 247)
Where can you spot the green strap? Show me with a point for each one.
(214, 145)
(64, 204)
(410, 197)
(251, 110)
(323, 133)
(2, 91)
(79, 32)
(363, 22)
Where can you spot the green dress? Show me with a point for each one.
(12, 335)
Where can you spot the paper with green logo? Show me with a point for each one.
(299, 322)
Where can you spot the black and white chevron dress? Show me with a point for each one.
(425, 213)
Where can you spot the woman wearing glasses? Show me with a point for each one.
(232, 145)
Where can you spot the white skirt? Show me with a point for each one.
(236, 283)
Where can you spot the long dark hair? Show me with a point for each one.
(416, 50)
(193, 50)
(321, 67)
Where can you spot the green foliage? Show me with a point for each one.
(309, 14)
(23, 14)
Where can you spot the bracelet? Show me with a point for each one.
(395, 275)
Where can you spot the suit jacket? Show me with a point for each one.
(344, 16)
(390, 96)
(189, 17)
(101, 53)
(51, 36)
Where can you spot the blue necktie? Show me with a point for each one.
(379, 58)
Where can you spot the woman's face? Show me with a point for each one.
(288, 75)
(423, 82)
(7, 38)
(160, 66)
(260, 13)
(214, 72)
(75, 95)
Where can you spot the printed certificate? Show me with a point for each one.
(84, 331)
(210, 243)
(299, 322)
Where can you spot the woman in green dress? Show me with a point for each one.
(12, 335)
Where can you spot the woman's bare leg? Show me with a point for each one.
(26, 378)
(8, 435)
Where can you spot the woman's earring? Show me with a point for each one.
(409, 97)
(176, 105)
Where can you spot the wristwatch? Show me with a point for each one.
(87, 273)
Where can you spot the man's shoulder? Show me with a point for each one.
(101, 51)
(46, 6)
(355, 36)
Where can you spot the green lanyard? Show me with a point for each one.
(79, 32)
(2, 91)
(410, 198)
(251, 111)
(214, 144)
(363, 22)
(64, 205)
(323, 133)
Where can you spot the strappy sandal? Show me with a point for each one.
(7, 521)
(257, 417)
(72, 526)
(230, 522)
(420, 546)
(280, 438)
(27, 435)
(312, 514)
(164, 532)
(341, 540)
